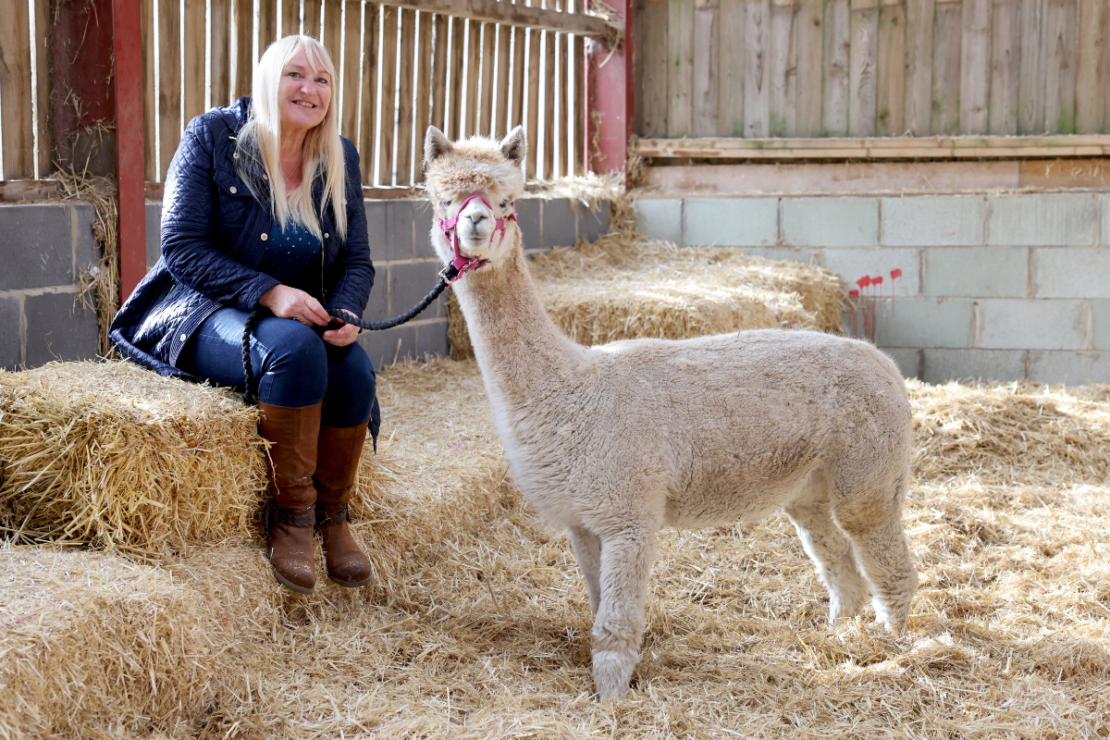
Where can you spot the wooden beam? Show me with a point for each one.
(494, 11)
(128, 82)
(934, 147)
(610, 97)
(17, 191)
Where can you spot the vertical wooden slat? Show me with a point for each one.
(267, 24)
(221, 52)
(757, 88)
(486, 94)
(1062, 33)
(680, 67)
(533, 103)
(919, 66)
(195, 31)
(350, 82)
(810, 40)
(439, 72)
(549, 104)
(863, 61)
(706, 86)
(311, 27)
(1005, 50)
(651, 16)
(783, 69)
(501, 85)
(947, 46)
(422, 114)
(150, 102)
(835, 98)
(578, 51)
(169, 80)
(516, 104)
(975, 66)
(563, 103)
(455, 109)
(890, 79)
(364, 94)
(17, 145)
(243, 34)
(1031, 82)
(332, 34)
(43, 34)
(387, 109)
(290, 18)
(405, 75)
(1091, 78)
(473, 76)
(731, 58)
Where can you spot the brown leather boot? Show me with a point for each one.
(339, 450)
(290, 515)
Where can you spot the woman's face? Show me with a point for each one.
(303, 94)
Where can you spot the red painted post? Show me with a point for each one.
(127, 46)
(609, 95)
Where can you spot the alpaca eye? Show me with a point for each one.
(504, 203)
(446, 204)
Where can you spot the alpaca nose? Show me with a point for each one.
(476, 217)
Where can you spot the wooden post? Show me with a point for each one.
(610, 99)
(127, 82)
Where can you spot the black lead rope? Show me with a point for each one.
(250, 393)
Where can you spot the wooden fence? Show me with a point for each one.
(26, 148)
(866, 68)
(399, 68)
(466, 66)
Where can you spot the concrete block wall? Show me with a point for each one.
(44, 249)
(999, 286)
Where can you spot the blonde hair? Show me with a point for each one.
(323, 149)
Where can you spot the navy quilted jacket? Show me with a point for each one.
(214, 233)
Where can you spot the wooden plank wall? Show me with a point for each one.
(864, 68)
(397, 71)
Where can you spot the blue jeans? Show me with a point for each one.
(294, 367)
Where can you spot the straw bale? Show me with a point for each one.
(109, 454)
(626, 286)
(484, 631)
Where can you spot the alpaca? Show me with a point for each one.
(615, 441)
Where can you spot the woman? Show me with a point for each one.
(263, 207)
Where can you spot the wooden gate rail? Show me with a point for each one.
(932, 147)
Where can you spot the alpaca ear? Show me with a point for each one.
(435, 145)
(515, 145)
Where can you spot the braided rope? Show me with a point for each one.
(250, 393)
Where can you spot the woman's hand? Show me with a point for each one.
(342, 336)
(290, 303)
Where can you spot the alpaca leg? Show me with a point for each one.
(873, 522)
(587, 550)
(830, 551)
(626, 559)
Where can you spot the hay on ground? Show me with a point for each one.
(484, 628)
(1012, 433)
(625, 286)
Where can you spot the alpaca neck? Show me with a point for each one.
(516, 342)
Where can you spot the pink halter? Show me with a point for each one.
(450, 231)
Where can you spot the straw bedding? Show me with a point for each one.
(625, 286)
(481, 627)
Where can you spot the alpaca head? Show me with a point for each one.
(476, 166)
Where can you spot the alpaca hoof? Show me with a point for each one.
(612, 673)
